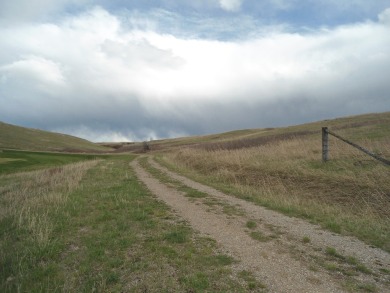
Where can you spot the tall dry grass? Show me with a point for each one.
(350, 193)
(29, 198)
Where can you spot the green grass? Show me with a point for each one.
(353, 286)
(190, 192)
(332, 252)
(252, 283)
(259, 236)
(178, 236)
(251, 224)
(15, 161)
(163, 177)
(385, 271)
(105, 233)
(331, 267)
(346, 264)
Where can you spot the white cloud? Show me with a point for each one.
(96, 135)
(230, 5)
(36, 68)
(92, 77)
(384, 17)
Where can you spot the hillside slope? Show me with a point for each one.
(282, 169)
(21, 138)
(358, 128)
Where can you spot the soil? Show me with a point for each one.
(285, 254)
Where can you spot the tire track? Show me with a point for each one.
(294, 230)
(374, 258)
(277, 270)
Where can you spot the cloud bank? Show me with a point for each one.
(107, 77)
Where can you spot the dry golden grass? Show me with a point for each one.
(29, 197)
(350, 193)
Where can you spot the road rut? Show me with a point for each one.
(268, 261)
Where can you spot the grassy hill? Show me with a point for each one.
(282, 169)
(21, 138)
(358, 128)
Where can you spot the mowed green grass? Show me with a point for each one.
(21, 138)
(16, 161)
(91, 226)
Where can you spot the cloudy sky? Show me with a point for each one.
(117, 70)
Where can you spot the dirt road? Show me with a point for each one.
(286, 254)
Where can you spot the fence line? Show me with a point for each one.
(325, 146)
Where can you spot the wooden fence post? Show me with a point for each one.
(325, 144)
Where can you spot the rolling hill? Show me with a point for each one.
(21, 138)
(358, 128)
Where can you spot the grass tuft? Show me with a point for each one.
(252, 283)
(251, 224)
(177, 236)
(259, 236)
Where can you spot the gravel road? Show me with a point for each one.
(281, 259)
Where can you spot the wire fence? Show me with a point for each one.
(325, 147)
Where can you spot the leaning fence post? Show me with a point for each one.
(325, 144)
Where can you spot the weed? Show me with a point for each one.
(333, 226)
(367, 287)
(197, 282)
(257, 235)
(252, 283)
(222, 260)
(176, 236)
(251, 224)
(190, 192)
(306, 239)
(352, 260)
(231, 210)
(386, 271)
(225, 259)
(331, 266)
(356, 265)
(331, 251)
(362, 268)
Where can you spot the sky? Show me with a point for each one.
(132, 70)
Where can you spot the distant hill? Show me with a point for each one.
(357, 128)
(21, 138)
(373, 126)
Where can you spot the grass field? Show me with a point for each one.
(15, 161)
(21, 138)
(369, 126)
(91, 226)
(349, 194)
(83, 223)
